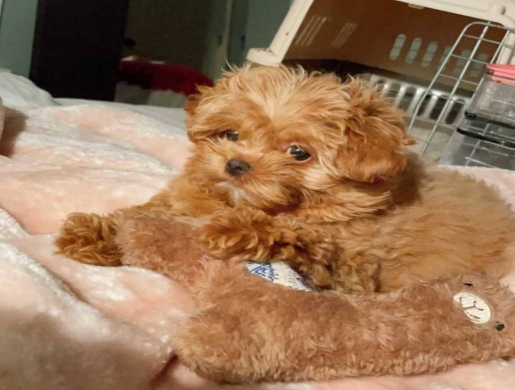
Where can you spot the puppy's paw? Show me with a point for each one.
(248, 235)
(89, 238)
(237, 237)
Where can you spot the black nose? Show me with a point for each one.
(237, 167)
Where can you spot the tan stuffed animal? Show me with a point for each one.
(250, 328)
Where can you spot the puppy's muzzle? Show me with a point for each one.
(236, 167)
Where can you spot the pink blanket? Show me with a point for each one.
(66, 325)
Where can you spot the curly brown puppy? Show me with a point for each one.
(315, 172)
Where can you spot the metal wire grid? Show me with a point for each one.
(503, 53)
(483, 151)
(405, 95)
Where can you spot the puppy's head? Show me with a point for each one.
(277, 137)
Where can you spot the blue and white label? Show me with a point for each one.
(279, 273)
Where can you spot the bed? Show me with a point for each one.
(66, 325)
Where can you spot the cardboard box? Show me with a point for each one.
(365, 32)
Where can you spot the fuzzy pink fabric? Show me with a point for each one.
(65, 325)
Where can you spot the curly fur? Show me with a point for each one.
(247, 329)
(362, 214)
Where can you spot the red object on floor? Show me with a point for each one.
(163, 77)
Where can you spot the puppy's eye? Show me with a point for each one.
(231, 135)
(298, 154)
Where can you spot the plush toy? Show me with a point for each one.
(260, 322)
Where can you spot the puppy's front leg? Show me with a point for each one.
(244, 235)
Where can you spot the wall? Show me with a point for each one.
(217, 37)
(169, 30)
(254, 24)
(238, 32)
(238, 25)
(197, 33)
(263, 21)
(17, 23)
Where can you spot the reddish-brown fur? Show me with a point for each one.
(248, 329)
(361, 215)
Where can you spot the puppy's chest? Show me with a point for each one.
(196, 206)
(357, 239)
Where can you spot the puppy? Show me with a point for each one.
(309, 170)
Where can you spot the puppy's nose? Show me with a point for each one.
(236, 167)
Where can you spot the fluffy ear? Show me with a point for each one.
(192, 102)
(375, 136)
(192, 108)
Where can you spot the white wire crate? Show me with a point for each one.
(406, 96)
(461, 149)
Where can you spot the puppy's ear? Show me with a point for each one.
(195, 118)
(371, 158)
(375, 137)
(192, 102)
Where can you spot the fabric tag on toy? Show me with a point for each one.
(475, 308)
(279, 273)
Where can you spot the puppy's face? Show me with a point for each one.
(277, 138)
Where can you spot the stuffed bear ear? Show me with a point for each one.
(375, 136)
